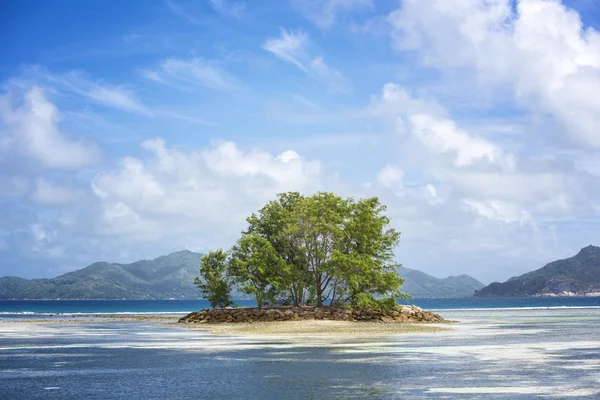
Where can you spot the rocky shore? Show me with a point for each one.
(403, 314)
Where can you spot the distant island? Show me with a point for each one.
(171, 277)
(575, 276)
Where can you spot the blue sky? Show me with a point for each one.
(132, 129)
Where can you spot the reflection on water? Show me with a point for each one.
(491, 354)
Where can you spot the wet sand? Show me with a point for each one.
(275, 328)
(319, 328)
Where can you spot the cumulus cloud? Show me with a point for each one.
(394, 100)
(428, 123)
(294, 48)
(539, 47)
(196, 188)
(498, 211)
(443, 136)
(450, 182)
(32, 129)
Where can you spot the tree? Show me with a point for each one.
(270, 223)
(318, 249)
(364, 257)
(214, 282)
(257, 267)
(316, 226)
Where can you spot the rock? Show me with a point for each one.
(404, 314)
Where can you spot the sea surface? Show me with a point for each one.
(500, 349)
(37, 308)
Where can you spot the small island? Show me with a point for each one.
(309, 258)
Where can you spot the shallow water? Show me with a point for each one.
(493, 354)
(36, 308)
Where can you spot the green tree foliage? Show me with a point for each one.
(214, 282)
(258, 269)
(319, 249)
(270, 223)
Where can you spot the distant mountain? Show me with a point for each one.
(165, 277)
(579, 274)
(172, 276)
(420, 284)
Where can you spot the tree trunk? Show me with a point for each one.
(319, 295)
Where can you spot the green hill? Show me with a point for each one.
(172, 276)
(420, 284)
(579, 274)
(164, 277)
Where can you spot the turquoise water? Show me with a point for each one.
(493, 353)
(502, 348)
(20, 308)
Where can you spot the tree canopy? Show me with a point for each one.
(319, 249)
(214, 282)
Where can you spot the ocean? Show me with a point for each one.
(500, 349)
(36, 308)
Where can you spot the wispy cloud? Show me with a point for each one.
(294, 48)
(120, 97)
(324, 13)
(186, 75)
(32, 130)
(123, 97)
(187, 118)
(191, 12)
(180, 11)
(232, 9)
(117, 97)
(290, 47)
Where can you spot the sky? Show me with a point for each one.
(132, 129)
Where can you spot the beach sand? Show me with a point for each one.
(318, 328)
(275, 328)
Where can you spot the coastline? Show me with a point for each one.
(273, 328)
(319, 328)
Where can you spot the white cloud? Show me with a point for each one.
(499, 211)
(182, 11)
(324, 13)
(294, 48)
(334, 80)
(31, 129)
(389, 175)
(394, 100)
(290, 47)
(192, 73)
(179, 191)
(443, 136)
(540, 48)
(225, 7)
(119, 97)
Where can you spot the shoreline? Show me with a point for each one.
(273, 328)
(319, 328)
